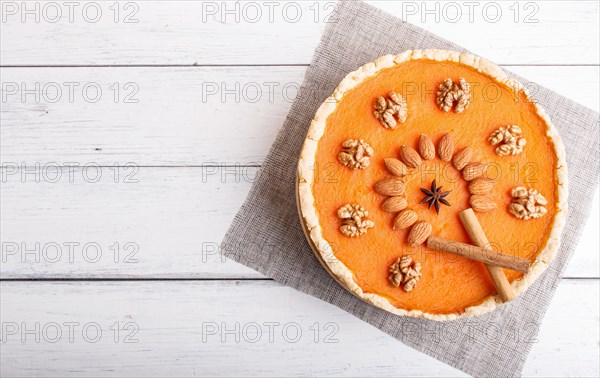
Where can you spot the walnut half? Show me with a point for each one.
(527, 203)
(453, 95)
(389, 111)
(405, 273)
(355, 154)
(354, 220)
(508, 139)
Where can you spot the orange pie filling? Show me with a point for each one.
(449, 283)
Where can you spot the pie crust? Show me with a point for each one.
(309, 213)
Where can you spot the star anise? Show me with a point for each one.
(435, 196)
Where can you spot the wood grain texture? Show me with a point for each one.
(175, 216)
(183, 116)
(222, 328)
(283, 32)
(167, 224)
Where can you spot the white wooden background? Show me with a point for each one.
(114, 196)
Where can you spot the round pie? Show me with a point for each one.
(401, 148)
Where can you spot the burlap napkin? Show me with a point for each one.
(266, 234)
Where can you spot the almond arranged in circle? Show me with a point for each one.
(392, 186)
(480, 185)
(462, 158)
(419, 233)
(426, 147)
(394, 204)
(405, 219)
(396, 167)
(410, 157)
(482, 203)
(446, 147)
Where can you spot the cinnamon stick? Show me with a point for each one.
(472, 252)
(473, 228)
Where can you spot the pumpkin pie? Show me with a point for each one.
(402, 146)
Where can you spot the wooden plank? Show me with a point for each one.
(174, 219)
(174, 116)
(152, 222)
(282, 32)
(245, 328)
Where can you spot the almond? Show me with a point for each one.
(394, 204)
(462, 158)
(446, 147)
(405, 219)
(482, 203)
(390, 187)
(473, 170)
(410, 157)
(480, 185)
(396, 167)
(420, 232)
(426, 147)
